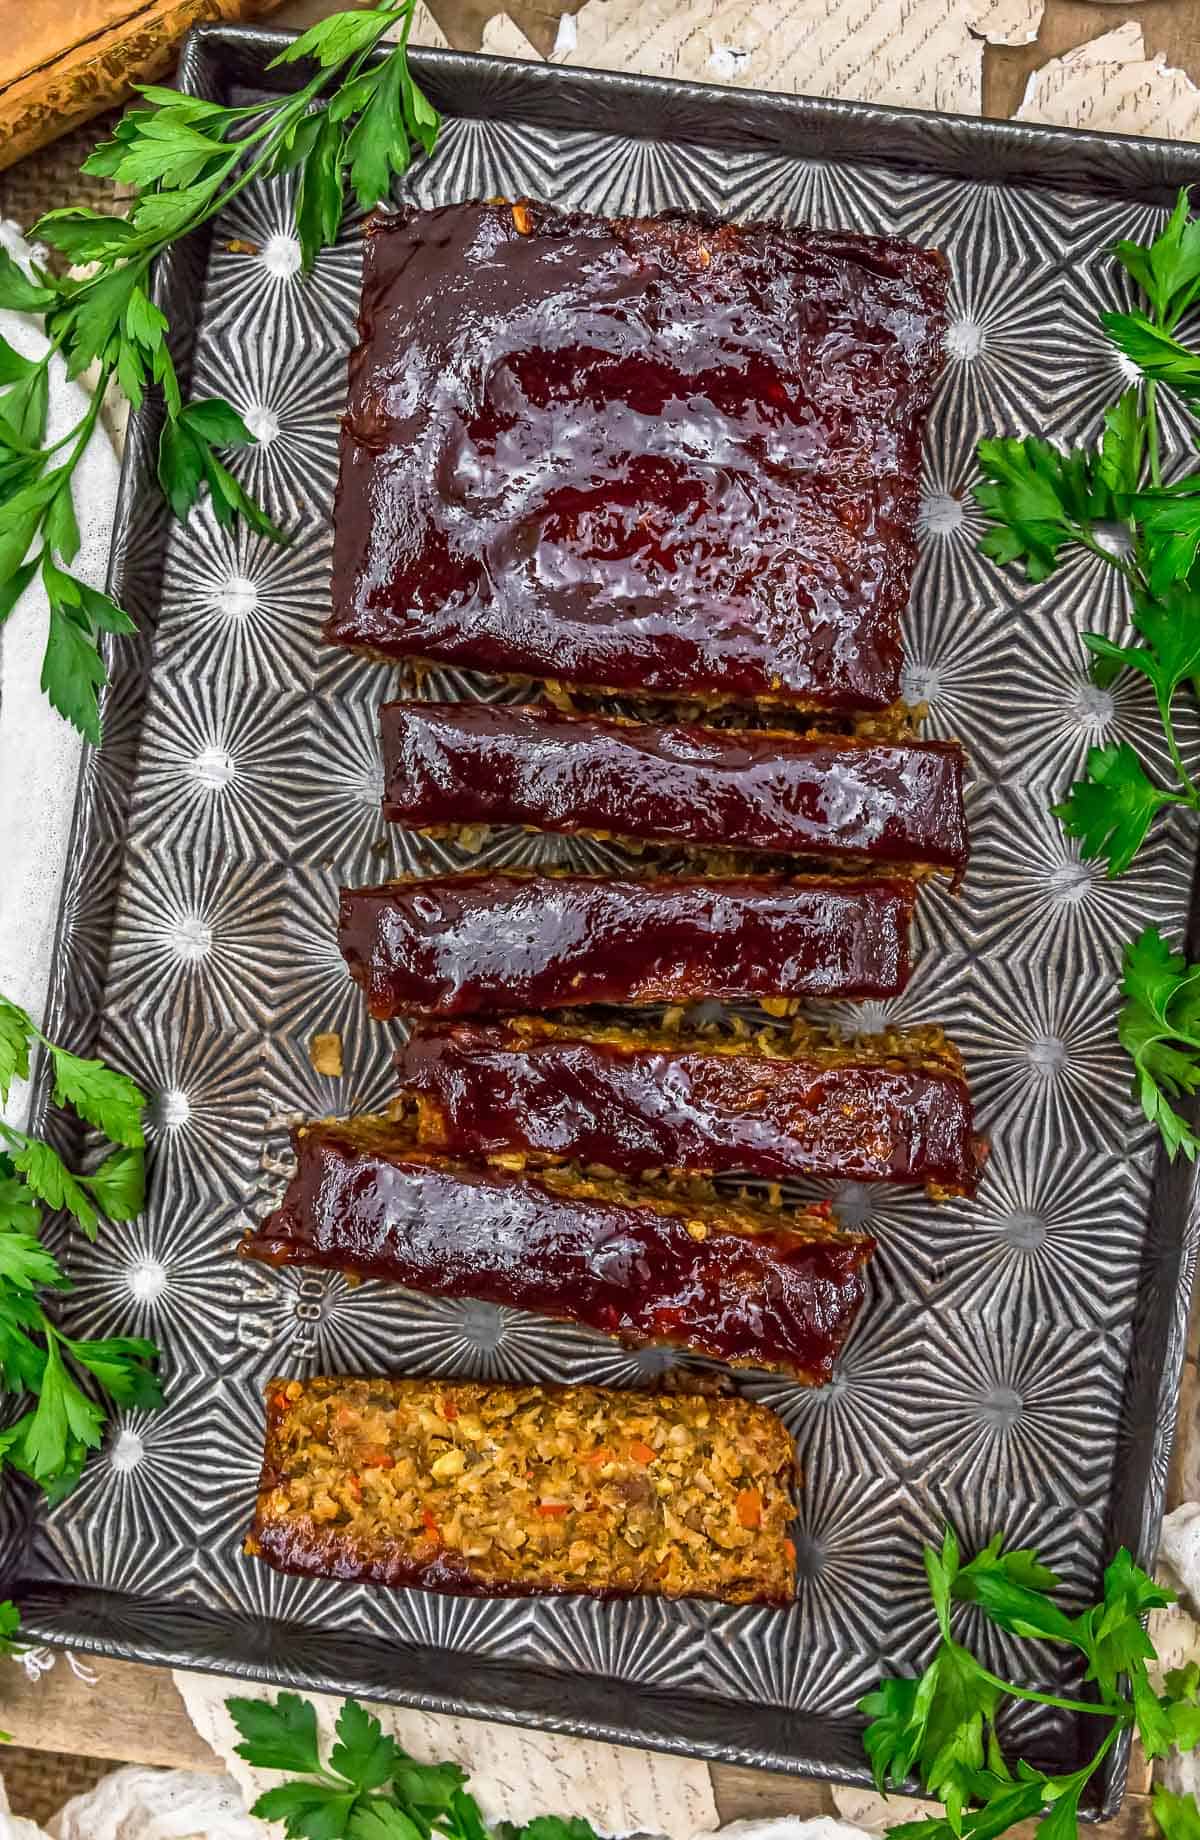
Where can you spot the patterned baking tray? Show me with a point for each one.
(1016, 1366)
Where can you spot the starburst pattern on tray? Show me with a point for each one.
(1002, 344)
(139, 1281)
(844, 1537)
(321, 995)
(292, 404)
(864, 1410)
(337, 783)
(207, 1111)
(367, 1082)
(488, 159)
(237, 606)
(658, 1650)
(1030, 891)
(997, 1417)
(1044, 1057)
(202, 930)
(1099, 373)
(619, 176)
(1039, 1242)
(431, 1621)
(763, 1657)
(1066, 713)
(260, 286)
(215, 766)
(950, 523)
(144, 1473)
(955, 657)
(809, 192)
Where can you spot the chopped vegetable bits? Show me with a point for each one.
(500, 1491)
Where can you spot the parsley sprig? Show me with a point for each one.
(50, 1441)
(941, 1726)
(355, 120)
(1159, 1028)
(1112, 500)
(370, 1788)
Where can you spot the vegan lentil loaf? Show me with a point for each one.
(771, 1104)
(456, 945)
(674, 1264)
(470, 764)
(658, 454)
(511, 1491)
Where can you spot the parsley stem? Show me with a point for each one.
(1152, 432)
(83, 434)
(1122, 1711)
(1189, 796)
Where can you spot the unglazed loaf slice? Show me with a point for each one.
(513, 1491)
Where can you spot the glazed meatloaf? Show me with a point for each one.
(870, 801)
(651, 454)
(509, 1491)
(456, 945)
(669, 1263)
(775, 1104)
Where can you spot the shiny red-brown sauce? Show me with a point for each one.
(488, 1089)
(781, 1298)
(655, 454)
(459, 944)
(496, 763)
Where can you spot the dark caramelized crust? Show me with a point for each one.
(828, 795)
(634, 1101)
(458, 944)
(650, 454)
(747, 1284)
(512, 1491)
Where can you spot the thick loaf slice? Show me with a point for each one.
(893, 803)
(510, 1491)
(778, 1104)
(456, 945)
(647, 454)
(668, 1263)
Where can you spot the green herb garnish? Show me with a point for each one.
(50, 1441)
(941, 1726)
(1041, 503)
(354, 121)
(370, 1789)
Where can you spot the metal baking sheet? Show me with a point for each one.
(1017, 1364)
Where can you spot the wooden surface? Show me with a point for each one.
(134, 1713)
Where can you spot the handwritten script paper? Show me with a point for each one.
(514, 1775)
(1112, 86)
(927, 53)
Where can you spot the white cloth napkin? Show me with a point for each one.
(39, 752)
(143, 1804)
